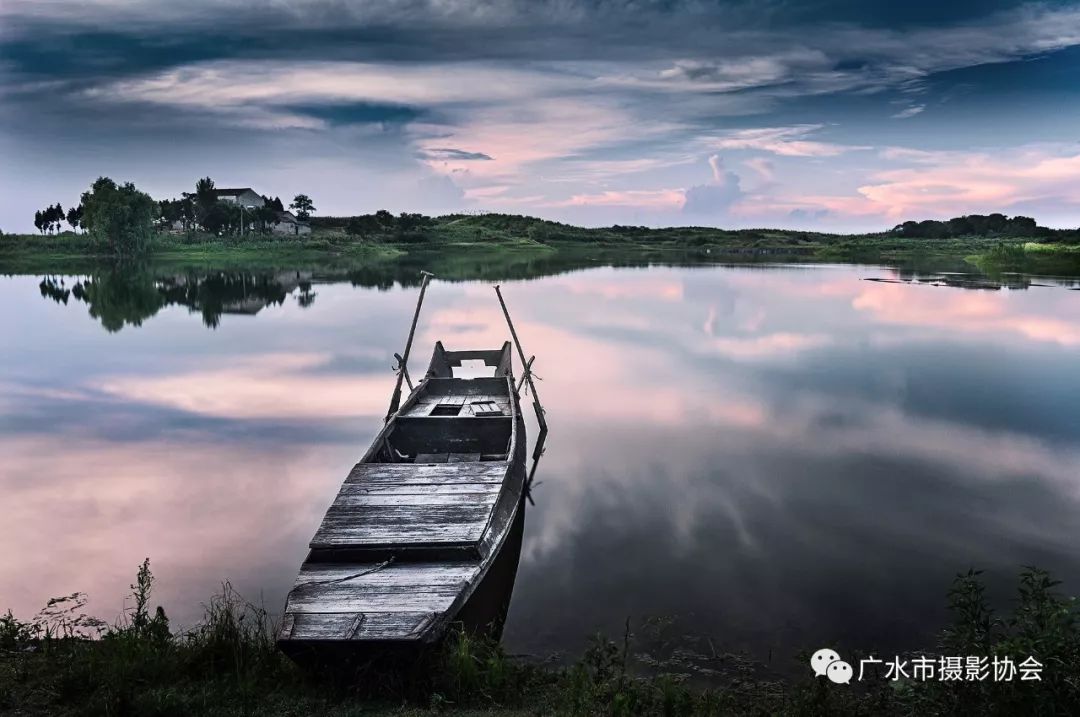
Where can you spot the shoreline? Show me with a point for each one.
(64, 662)
(77, 254)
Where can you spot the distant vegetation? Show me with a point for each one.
(66, 662)
(983, 225)
(120, 221)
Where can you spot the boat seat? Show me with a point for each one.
(447, 457)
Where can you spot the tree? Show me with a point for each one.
(168, 212)
(39, 221)
(219, 217)
(303, 206)
(265, 217)
(74, 217)
(364, 225)
(120, 216)
(277, 205)
(204, 192)
(385, 219)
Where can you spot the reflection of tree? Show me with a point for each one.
(120, 297)
(54, 289)
(130, 295)
(227, 293)
(307, 296)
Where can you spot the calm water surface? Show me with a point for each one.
(774, 457)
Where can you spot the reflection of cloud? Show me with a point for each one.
(270, 386)
(958, 310)
(767, 346)
(621, 287)
(88, 514)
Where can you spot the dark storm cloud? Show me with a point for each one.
(543, 100)
(74, 41)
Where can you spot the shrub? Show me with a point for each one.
(120, 216)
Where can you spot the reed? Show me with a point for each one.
(66, 662)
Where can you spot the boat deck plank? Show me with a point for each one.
(405, 473)
(424, 406)
(429, 505)
(373, 626)
(372, 601)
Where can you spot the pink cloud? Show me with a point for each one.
(658, 199)
(950, 183)
(783, 141)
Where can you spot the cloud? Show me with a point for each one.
(657, 199)
(440, 192)
(783, 141)
(909, 112)
(563, 104)
(446, 153)
(762, 166)
(716, 196)
(950, 183)
(809, 214)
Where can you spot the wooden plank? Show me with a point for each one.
(406, 473)
(417, 514)
(343, 530)
(400, 573)
(424, 489)
(358, 600)
(375, 626)
(417, 500)
(464, 458)
(431, 458)
(342, 537)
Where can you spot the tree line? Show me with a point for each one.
(202, 209)
(49, 220)
(124, 218)
(983, 225)
(407, 226)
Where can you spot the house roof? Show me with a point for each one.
(233, 191)
(290, 217)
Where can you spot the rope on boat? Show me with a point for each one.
(374, 569)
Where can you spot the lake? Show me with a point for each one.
(759, 458)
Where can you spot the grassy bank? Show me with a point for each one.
(1029, 257)
(66, 663)
(487, 236)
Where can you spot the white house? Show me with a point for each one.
(243, 196)
(287, 223)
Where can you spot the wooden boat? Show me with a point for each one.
(426, 529)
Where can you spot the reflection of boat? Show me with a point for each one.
(426, 530)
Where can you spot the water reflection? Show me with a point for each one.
(774, 456)
(128, 296)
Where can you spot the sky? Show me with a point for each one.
(832, 115)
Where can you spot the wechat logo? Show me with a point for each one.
(826, 662)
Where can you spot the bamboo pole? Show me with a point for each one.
(521, 382)
(395, 400)
(402, 367)
(526, 364)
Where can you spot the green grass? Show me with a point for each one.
(66, 663)
(486, 236)
(1028, 257)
